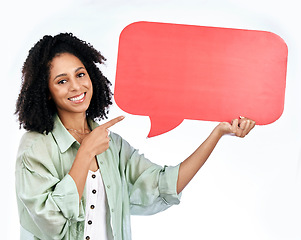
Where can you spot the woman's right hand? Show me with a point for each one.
(98, 140)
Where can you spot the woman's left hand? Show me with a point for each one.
(240, 127)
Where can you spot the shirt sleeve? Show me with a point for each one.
(152, 188)
(47, 203)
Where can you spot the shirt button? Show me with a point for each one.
(112, 209)
(89, 222)
(93, 191)
(92, 206)
(101, 162)
(87, 238)
(93, 176)
(108, 186)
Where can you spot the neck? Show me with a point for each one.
(76, 121)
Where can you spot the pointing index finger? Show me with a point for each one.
(113, 122)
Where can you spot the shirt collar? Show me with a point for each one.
(92, 124)
(63, 138)
(61, 135)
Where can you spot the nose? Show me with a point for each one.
(75, 85)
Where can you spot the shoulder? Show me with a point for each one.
(115, 137)
(120, 145)
(118, 140)
(38, 153)
(34, 140)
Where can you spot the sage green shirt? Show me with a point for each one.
(47, 196)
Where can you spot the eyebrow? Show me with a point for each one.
(64, 74)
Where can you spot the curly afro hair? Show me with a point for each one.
(34, 108)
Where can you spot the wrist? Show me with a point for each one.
(221, 129)
(85, 152)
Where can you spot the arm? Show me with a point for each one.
(148, 188)
(48, 202)
(95, 143)
(190, 166)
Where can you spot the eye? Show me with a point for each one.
(62, 81)
(81, 75)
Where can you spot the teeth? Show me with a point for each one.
(78, 98)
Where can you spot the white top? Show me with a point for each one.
(95, 221)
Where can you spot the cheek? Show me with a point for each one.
(55, 94)
(89, 85)
(91, 89)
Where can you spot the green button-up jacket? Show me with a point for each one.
(47, 196)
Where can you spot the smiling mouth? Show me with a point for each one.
(77, 98)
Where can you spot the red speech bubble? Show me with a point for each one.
(172, 72)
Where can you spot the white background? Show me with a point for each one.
(249, 188)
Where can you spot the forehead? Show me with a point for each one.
(64, 62)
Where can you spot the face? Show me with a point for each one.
(69, 84)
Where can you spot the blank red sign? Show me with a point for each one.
(172, 72)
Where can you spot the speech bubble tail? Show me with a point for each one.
(160, 125)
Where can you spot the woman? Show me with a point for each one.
(75, 179)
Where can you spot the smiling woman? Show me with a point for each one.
(35, 108)
(86, 181)
(70, 85)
